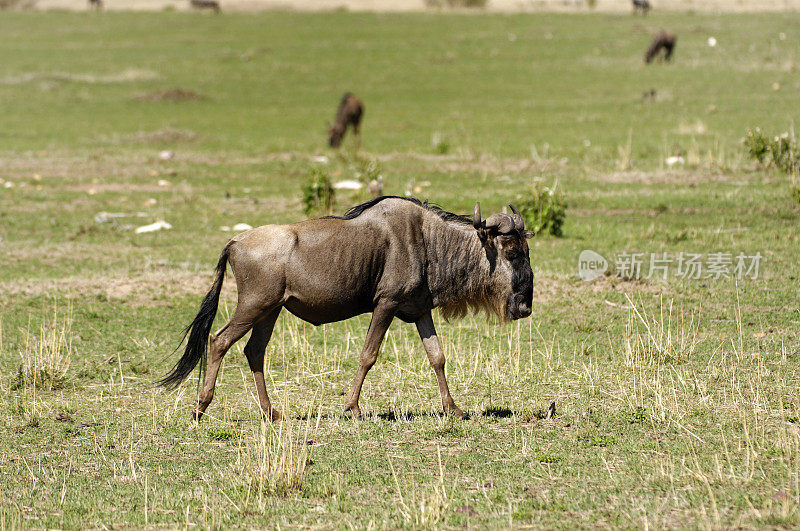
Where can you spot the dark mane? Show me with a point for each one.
(436, 209)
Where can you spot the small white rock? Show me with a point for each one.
(166, 155)
(153, 227)
(241, 227)
(164, 182)
(347, 184)
(712, 41)
(672, 161)
(322, 159)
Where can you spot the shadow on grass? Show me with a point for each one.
(498, 412)
(388, 416)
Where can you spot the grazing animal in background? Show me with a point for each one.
(97, 5)
(213, 5)
(392, 256)
(349, 113)
(641, 6)
(665, 41)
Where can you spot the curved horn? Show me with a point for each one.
(519, 223)
(502, 223)
(476, 216)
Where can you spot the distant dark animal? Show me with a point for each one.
(649, 95)
(392, 256)
(97, 5)
(641, 6)
(665, 41)
(213, 5)
(349, 113)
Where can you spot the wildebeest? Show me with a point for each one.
(663, 40)
(349, 113)
(641, 6)
(392, 256)
(205, 4)
(97, 5)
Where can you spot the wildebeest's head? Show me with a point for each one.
(504, 238)
(335, 134)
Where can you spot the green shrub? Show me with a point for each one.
(639, 415)
(318, 193)
(544, 209)
(222, 434)
(600, 440)
(779, 151)
(440, 143)
(369, 170)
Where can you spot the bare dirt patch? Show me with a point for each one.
(688, 177)
(482, 163)
(167, 135)
(156, 288)
(170, 95)
(550, 289)
(492, 6)
(128, 75)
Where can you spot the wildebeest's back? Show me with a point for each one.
(333, 269)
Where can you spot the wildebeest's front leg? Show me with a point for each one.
(381, 319)
(427, 332)
(357, 136)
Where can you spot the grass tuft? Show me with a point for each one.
(46, 356)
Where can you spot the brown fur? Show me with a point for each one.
(349, 114)
(213, 5)
(392, 256)
(641, 6)
(664, 40)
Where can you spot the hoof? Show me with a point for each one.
(197, 415)
(273, 416)
(354, 411)
(457, 413)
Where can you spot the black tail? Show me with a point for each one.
(198, 331)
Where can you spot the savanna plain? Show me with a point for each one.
(677, 401)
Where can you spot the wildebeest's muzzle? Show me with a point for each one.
(520, 302)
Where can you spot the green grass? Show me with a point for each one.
(676, 402)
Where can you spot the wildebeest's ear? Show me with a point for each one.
(528, 234)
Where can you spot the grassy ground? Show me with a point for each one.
(677, 401)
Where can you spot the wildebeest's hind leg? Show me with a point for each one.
(243, 320)
(382, 317)
(254, 350)
(427, 332)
